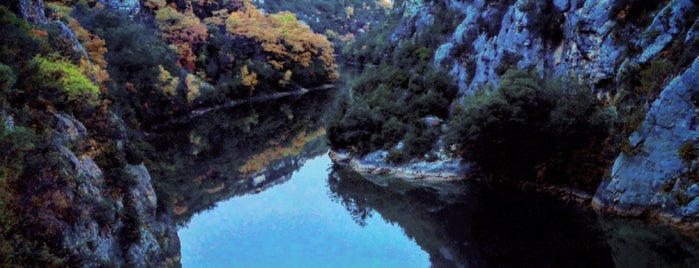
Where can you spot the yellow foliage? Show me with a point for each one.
(248, 78)
(387, 4)
(282, 35)
(183, 30)
(167, 83)
(349, 11)
(286, 78)
(154, 4)
(276, 64)
(192, 82)
(218, 17)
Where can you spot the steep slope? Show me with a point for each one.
(80, 84)
(634, 57)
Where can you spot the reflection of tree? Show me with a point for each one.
(359, 209)
(496, 227)
(439, 227)
(196, 164)
(635, 243)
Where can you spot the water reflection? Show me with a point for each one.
(294, 225)
(232, 152)
(435, 222)
(503, 227)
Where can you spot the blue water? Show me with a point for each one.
(295, 224)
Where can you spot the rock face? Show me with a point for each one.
(603, 43)
(656, 179)
(33, 12)
(584, 39)
(132, 7)
(115, 225)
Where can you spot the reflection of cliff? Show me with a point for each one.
(234, 152)
(485, 227)
(638, 244)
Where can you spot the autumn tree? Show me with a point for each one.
(287, 40)
(183, 30)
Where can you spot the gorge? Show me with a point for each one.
(454, 133)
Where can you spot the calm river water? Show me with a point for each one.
(252, 186)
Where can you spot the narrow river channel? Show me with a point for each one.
(252, 186)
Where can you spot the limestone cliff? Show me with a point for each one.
(603, 43)
(102, 222)
(71, 194)
(635, 56)
(659, 177)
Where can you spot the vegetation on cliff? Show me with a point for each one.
(398, 90)
(80, 84)
(555, 131)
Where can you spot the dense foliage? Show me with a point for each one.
(400, 96)
(341, 21)
(552, 130)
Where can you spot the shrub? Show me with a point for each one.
(532, 128)
(688, 152)
(60, 74)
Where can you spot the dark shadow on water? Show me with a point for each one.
(506, 227)
(231, 152)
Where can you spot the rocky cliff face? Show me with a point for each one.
(77, 201)
(659, 176)
(592, 39)
(622, 50)
(103, 223)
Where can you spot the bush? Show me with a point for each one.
(60, 74)
(531, 128)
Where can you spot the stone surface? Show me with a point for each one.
(599, 49)
(654, 180)
(32, 11)
(109, 211)
(435, 174)
(132, 7)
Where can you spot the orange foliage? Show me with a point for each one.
(38, 33)
(282, 35)
(218, 18)
(177, 209)
(248, 78)
(96, 67)
(182, 30)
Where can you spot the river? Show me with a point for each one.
(252, 186)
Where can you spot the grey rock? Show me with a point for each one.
(665, 25)
(7, 120)
(432, 121)
(442, 53)
(636, 183)
(693, 191)
(68, 129)
(32, 11)
(97, 236)
(69, 41)
(563, 5)
(132, 7)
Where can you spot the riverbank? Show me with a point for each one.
(444, 173)
(232, 103)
